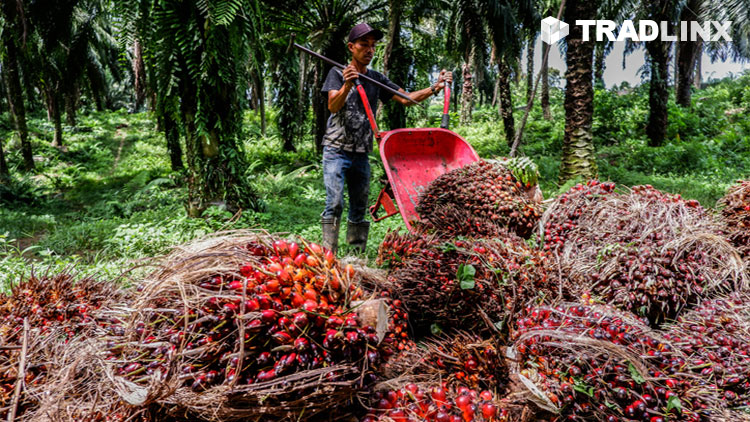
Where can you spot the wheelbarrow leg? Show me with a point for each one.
(385, 200)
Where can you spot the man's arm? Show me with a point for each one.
(337, 97)
(422, 94)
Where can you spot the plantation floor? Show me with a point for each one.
(109, 201)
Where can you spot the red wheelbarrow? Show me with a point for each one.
(413, 158)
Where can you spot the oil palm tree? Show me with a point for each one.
(578, 157)
(199, 50)
(12, 45)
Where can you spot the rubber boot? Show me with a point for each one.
(330, 233)
(356, 235)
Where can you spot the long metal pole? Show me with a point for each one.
(367, 78)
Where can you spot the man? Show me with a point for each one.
(349, 139)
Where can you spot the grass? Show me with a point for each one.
(109, 201)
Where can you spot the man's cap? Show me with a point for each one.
(362, 29)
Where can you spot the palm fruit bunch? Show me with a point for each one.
(595, 363)
(715, 337)
(397, 338)
(458, 357)
(397, 247)
(469, 284)
(439, 403)
(735, 210)
(57, 308)
(286, 310)
(643, 251)
(562, 216)
(477, 196)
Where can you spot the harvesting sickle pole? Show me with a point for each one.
(367, 78)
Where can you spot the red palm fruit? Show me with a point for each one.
(272, 286)
(285, 278)
(253, 326)
(268, 316)
(297, 300)
(301, 344)
(438, 394)
(300, 260)
(312, 261)
(264, 359)
(266, 375)
(280, 247)
(397, 415)
(329, 257)
(310, 306)
(274, 267)
(349, 271)
(489, 411)
(293, 249)
(462, 401)
(300, 319)
(314, 248)
(246, 270)
(334, 321)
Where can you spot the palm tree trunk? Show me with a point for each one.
(172, 135)
(544, 100)
(4, 172)
(15, 101)
(320, 108)
(139, 75)
(286, 79)
(467, 94)
(599, 65)
(687, 60)
(395, 64)
(687, 57)
(260, 89)
(578, 158)
(530, 50)
(506, 101)
(53, 111)
(71, 102)
(698, 78)
(495, 92)
(658, 93)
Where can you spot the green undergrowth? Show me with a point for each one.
(108, 201)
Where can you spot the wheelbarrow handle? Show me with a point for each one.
(446, 106)
(368, 109)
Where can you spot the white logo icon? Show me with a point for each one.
(553, 30)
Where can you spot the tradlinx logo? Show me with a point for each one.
(554, 30)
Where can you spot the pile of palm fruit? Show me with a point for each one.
(434, 402)
(641, 250)
(598, 363)
(45, 312)
(478, 197)
(736, 215)
(283, 316)
(715, 338)
(614, 311)
(473, 285)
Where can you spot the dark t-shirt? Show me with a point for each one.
(349, 128)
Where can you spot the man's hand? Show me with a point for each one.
(350, 74)
(443, 78)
